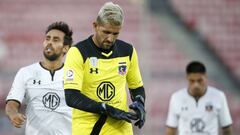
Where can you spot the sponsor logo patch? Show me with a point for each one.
(106, 91)
(69, 75)
(51, 100)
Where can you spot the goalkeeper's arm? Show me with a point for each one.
(75, 99)
(140, 91)
(138, 105)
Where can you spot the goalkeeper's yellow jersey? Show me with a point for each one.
(101, 77)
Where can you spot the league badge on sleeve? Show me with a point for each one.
(69, 75)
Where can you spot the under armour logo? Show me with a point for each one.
(92, 70)
(34, 81)
(184, 108)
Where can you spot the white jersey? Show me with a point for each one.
(43, 92)
(202, 117)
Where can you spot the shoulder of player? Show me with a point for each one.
(82, 44)
(124, 46)
(84, 47)
(29, 67)
(27, 70)
(180, 93)
(215, 92)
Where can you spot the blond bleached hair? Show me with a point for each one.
(110, 13)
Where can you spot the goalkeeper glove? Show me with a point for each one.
(138, 107)
(118, 114)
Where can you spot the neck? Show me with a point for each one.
(95, 41)
(51, 65)
(197, 95)
(99, 48)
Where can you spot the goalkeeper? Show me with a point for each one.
(95, 74)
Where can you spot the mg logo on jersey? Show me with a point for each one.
(51, 100)
(197, 125)
(106, 91)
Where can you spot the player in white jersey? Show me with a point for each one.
(40, 85)
(198, 109)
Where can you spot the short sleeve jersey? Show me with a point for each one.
(202, 117)
(43, 93)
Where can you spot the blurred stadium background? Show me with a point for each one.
(167, 34)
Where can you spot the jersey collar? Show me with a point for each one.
(106, 53)
(197, 98)
(53, 72)
(48, 69)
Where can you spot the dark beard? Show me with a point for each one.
(51, 57)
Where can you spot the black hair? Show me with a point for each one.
(62, 26)
(195, 67)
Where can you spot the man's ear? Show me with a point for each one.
(95, 26)
(66, 48)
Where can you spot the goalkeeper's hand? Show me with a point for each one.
(138, 107)
(119, 114)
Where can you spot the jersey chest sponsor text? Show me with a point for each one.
(106, 91)
(49, 94)
(51, 100)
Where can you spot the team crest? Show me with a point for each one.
(209, 107)
(122, 69)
